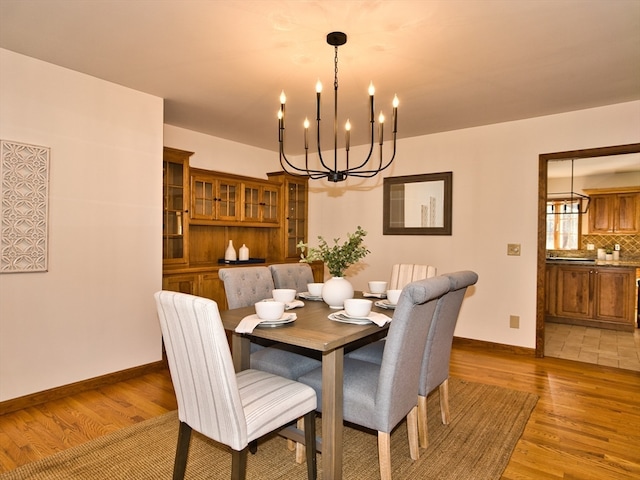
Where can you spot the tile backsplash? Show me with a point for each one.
(629, 244)
(629, 247)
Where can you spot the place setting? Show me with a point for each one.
(390, 302)
(357, 311)
(377, 289)
(313, 293)
(272, 312)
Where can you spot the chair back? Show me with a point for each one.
(292, 275)
(404, 273)
(201, 367)
(405, 343)
(435, 362)
(244, 286)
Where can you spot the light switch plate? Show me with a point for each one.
(513, 249)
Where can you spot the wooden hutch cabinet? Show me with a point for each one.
(204, 210)
(614, 211)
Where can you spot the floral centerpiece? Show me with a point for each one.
(337, 257)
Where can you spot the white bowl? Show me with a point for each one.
(377, 286)
(393, 296)
(269, 310)
(285, 295)
(315, 289)
(357, 307)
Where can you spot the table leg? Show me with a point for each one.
(241, 350)
(332, 411)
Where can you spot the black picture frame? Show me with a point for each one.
(417, 204)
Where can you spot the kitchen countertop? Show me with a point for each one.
(600, 263)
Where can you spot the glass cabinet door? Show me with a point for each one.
(296, 220)
(270, 205)
(203, 198)
(228, 193)
(174, 182)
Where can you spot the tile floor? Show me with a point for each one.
(593, 345)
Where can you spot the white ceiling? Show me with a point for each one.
(220, 65)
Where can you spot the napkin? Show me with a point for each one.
(379, 319)
(374, 295)
(294, 304)
(248, 323)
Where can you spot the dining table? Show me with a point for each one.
(313, 330)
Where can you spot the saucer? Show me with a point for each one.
(286, 318)
(308, 296)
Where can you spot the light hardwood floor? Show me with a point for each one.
(586, 424)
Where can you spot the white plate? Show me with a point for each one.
(342, 317)
(385, 304)
(308, 296)
(286, 318)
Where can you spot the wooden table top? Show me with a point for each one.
(312, 329)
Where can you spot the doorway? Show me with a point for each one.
(544, 159)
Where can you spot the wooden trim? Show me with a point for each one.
(56, 393)
(490, 346)
(604, 191)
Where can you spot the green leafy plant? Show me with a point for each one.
(337, 257)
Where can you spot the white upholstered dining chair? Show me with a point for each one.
(380, 396)
(404, 273)
(233, 409)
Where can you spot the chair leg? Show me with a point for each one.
(443, 389)
(239, 464)
(412, 429)
(384, 455)
(253, 446)
(310, 444)
(299, 448)
(182, 451)
(423, 429)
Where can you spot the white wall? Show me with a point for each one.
(495, 189)
(214, 153)
(92, 313)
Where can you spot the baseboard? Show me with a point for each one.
(500, 347)
(73, 388)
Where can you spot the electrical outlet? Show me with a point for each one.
(514, 321)
(513, 249)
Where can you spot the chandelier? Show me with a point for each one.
(366, 168)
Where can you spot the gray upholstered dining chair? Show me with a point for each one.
(231, 408)
(404, 273)
(292, 275)
(244, 286)
(380, 396)
(435, 362)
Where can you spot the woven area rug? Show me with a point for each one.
(486, 423)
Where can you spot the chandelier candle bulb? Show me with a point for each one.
(372, 90)
(347, 127)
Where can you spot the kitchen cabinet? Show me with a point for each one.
(616, 212)
(600, 296)
(175, 185)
